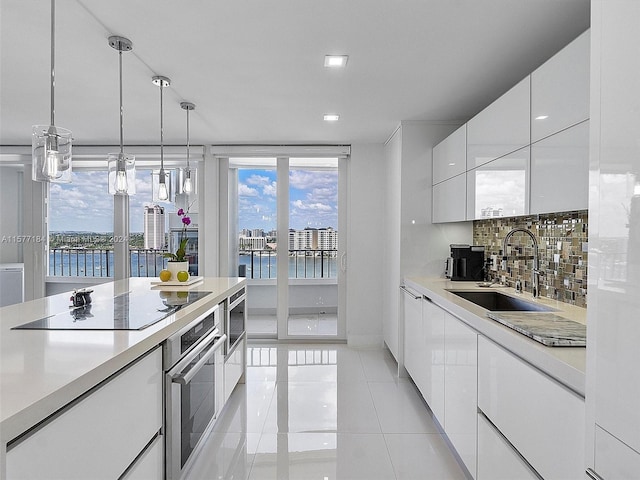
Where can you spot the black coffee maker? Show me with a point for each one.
(466, 263)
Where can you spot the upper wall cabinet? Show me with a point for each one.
(501, 128)
(560, 90)
(499, 188)
(560, 171)
(450, 156)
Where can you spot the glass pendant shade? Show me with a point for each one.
(187, 186)
(186, 181)
(122, 173)
(51, 154)
(161, 186)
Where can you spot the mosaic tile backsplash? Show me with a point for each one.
(562, 251)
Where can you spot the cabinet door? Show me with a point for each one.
(449, 200)
(450, 156)
(461, 388)
(560, 90)
(433, 344)
(499, 188)
(560, 171)
(95, 438)
(414, 353)
(501, 128)
(497, 460)
(234, 367)
(542, 419)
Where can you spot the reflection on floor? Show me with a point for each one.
(324, 412)
(313, 324)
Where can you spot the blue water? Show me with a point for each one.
(90, 263)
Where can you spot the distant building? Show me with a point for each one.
(491, 212)
(327, 239)
(154, 228)
(257, 232)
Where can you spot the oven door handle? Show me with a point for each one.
(185, 378)
(188, 358)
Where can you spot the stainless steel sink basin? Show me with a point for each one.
(499, 302)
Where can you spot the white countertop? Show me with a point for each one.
(43, 370)
(566, 364)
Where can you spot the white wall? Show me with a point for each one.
(365, 245)
(10, 214)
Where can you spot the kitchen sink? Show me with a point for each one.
(499, 302)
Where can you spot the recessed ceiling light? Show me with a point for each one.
(335, 61)
(542, 117)
(331, 117)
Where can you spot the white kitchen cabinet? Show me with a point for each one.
(542, 419)
(450, 156)
(499, 188)
(433, 344)
(414, 352)
(560, 90)
(497, 460)
(613, 354)
(461, 388)
(501, 128)
(450, 200)
(560, 171)
(234, 367)
(150, 465)
(95, 437)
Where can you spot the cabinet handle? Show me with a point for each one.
(410, 293)
(592, 474)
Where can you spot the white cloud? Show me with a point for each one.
(258, 180)
(311, 207)
(271, 189)
(246, 191)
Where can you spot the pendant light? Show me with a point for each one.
(163, 185)
(51, 145)
(187, 186)
(121, 166)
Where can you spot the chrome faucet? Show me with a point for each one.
(535, 272)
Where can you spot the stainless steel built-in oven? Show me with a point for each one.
(194, 387)
(236, 318)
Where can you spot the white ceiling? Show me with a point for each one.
(254, 68)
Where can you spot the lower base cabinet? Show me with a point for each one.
(614, 459)
(497, 460)
(542, 419)
(100, 435)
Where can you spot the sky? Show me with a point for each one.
(313, 199)
(86, 205)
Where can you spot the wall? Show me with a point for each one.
(365, 242)
(562, 251)
(11, 182)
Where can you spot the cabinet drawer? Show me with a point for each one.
(150, 465)
(614, 459)
(94, 438)
(543, 420)
(497, 460)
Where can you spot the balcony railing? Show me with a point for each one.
(89, 262)
(262, 264)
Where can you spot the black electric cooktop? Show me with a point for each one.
(128, 311)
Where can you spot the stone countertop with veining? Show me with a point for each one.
(565, 364)
(43, 370)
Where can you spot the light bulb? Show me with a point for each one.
(187, 187)
(50, 164)
(120, 184)
(163, 193)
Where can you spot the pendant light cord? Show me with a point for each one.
(121, 107)
(187, 139)
(53, 59)
(161, 136)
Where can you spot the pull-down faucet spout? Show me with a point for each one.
(535, 272)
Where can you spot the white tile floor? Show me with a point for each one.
(315, 324)
(324, 412)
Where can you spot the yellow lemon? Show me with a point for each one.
(183, 276)
(165, 275)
